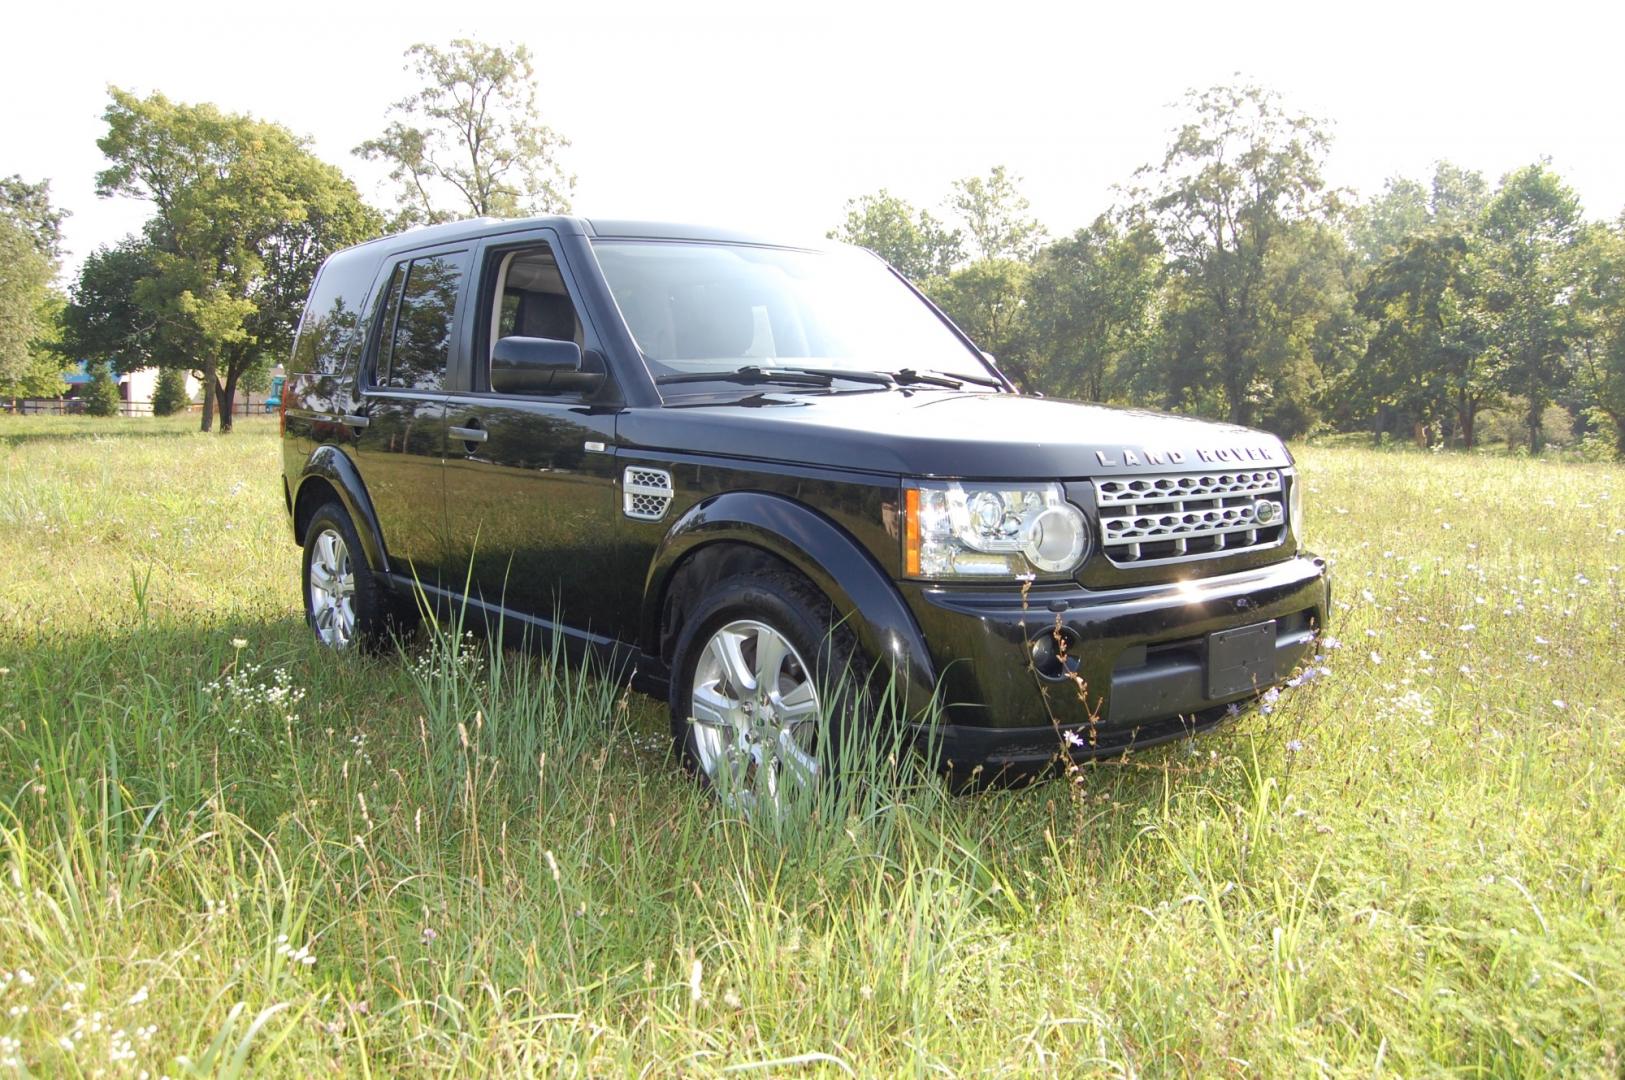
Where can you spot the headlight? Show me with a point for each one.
(1294, 502)
(991, 530)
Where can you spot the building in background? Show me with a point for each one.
(135, 391)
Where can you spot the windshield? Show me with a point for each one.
(703, 307)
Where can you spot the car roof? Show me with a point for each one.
(600, 228)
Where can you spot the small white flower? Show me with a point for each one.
(239, 643)
(1559, 704)
(1376, 657)
(1072, 738)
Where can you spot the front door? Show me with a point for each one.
(530, 478)
(400, 452)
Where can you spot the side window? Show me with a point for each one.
(415, 330)
(332, 313)
(528, 298)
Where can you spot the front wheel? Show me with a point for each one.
(765, 680)
(344, 605)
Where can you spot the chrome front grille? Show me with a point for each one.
(1171, 518)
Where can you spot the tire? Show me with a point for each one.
(345, 606)
(746, 735)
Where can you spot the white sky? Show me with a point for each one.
(770, 116)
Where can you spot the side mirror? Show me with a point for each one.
(527, 365)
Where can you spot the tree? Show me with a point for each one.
(996, 215)
(915, 242)
(170, 396)
(1601, 351)
(1089, 304)
(101, 393)
(25, 278)
(985, 300)
(1235, 182)
(30, 246)
(1386, 223)
(471, 142)
(1532, 274)
(29, 206)
(1425, 358)
(243, 215)
(104, 320)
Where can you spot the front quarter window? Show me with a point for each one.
(699, 307)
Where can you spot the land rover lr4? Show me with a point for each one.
(751, 475)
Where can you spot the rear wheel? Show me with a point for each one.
(763, 682)
(344, 605)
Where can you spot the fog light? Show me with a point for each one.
(1055, 653)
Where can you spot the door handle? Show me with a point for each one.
(470, 434)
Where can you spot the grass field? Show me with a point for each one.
(223, 852)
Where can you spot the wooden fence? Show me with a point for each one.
(75, 407)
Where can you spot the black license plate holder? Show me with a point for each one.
(1240, 659)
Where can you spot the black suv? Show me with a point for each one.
(762, 477)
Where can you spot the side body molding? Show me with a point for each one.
(863, 594)
(334, 466)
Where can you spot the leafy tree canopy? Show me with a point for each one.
(30, 248)
(471, 142)
(243, 216)
(1237, 181)
(913, 241)
(996, 215)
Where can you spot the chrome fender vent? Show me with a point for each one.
(646, 493)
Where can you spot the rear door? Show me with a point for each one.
(530, 479)
(401, 450)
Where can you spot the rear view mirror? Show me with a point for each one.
(527, 365)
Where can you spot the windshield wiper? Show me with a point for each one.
(956, 377)
(750, 373)
(909, 376)
(790, 376)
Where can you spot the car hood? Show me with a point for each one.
(947, 433)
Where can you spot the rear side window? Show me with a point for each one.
(414, 342)
(332, 313)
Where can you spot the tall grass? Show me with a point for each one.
(224, 851)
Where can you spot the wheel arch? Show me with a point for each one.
(729, 533)
(331, 476)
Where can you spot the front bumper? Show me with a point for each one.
(1136, 659)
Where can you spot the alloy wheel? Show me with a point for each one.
(755, 712)
(332, 589)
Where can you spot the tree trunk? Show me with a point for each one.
(1619, 435)
(228, 395)
(1469, 414)
(1534, 427)
(208, 393)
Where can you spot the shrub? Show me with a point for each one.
(101, 395)
(170, 396)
